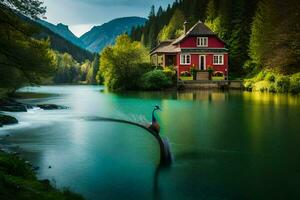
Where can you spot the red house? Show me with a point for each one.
(199, 47)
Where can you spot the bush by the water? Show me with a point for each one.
(156, 80)
(126, 66)
(268, 81)
(123, 64)
(295, 83)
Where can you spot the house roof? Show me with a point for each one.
(199, 29)
(171, 46)
(165, 47)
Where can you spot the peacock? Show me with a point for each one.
(154, 125)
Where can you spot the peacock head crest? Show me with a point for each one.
(157, 107)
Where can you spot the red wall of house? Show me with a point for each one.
(209, 63)
(191, 42)
(214, 42)
(217, 68)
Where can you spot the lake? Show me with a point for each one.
(225, 145)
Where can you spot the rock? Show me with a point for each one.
(51, 107)
(16, 108)
(10, 105)
(6, 120)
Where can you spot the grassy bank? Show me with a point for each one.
(270, 81)
(18, 182)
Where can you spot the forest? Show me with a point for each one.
(31, 54)
(261, 35)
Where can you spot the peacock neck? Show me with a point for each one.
(153, 116)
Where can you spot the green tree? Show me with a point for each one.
(23, 60)
(176, 23)
(211, 14)
(92, 73)
(257, 35)
(123, 64)
(68, 70)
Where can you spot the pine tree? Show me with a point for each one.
(257, 35)
(175, 24)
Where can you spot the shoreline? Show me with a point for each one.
(18, 180)
(18, 177)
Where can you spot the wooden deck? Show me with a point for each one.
(207, 84)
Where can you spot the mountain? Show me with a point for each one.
(64, 31)
(100, 36)
(59, 43)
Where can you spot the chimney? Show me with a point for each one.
(185, 26)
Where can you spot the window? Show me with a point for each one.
(202, 41)
(185, 59)
(218, 59)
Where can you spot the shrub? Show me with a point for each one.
(270, 77)
(248, 84)
(262, 86)
(193, 72)
(156, 80)
(185, 74)
(170, 73)
(260, 76)
(272, 88)
(282, 84)
(295, 83)
(210, 70)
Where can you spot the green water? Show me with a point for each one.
(226, 145)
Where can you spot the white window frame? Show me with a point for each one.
(183, 59)
(202, 41)
(219, 59)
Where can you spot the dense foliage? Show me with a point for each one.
(123, 64)
(270, 81)
(260, 34)
(25, 51)
(156, 80)
(23, 59)
(69, 71)
(275, 38)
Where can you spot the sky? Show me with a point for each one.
(82, 15)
